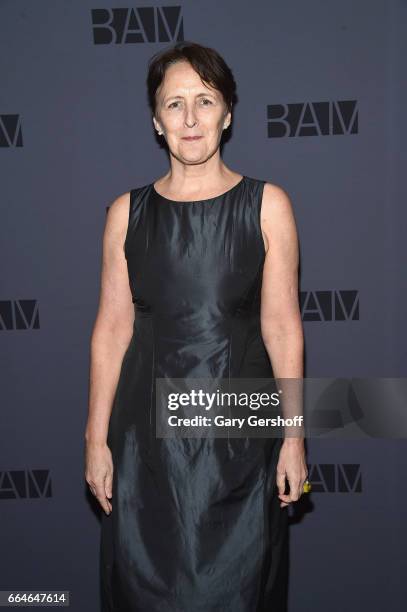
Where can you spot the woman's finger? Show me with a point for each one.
(108, 485)
(295, 485)
(101, 497)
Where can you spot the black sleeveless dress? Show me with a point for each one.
(196, 524)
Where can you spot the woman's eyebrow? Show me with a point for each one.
(180, 97)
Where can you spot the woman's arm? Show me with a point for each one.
(281, 324)
(110, 338)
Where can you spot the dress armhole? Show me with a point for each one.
(137, 198)
(126, 240)
(258, 216)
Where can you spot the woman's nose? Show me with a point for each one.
(190, 118)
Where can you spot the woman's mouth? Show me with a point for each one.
(191, 137)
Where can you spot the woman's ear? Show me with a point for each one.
(157, 126)
(227, 121)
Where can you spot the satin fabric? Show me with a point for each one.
(196, 524)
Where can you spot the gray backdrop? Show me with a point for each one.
(321, 113)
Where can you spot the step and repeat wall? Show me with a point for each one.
(320, 112)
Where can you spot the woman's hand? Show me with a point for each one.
(291, 465)
(99, 473)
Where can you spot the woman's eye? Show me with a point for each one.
(174, 104)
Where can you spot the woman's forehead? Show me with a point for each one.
(184, 78)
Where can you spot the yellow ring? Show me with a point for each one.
(306, 487)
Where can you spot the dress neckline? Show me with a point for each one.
(194, 201)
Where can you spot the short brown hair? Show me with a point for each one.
(207, 62)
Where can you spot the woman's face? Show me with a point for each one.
(186, 108)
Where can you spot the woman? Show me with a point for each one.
(209, 258)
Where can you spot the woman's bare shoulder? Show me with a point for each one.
(119, 207)
(117, 217)
(277, 214)
(276, 199)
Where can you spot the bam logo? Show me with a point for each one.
(141, 25)
(10, 131)
(329, 305)
(19, 314)
(23, 484)
(312, 119)
(331, 478)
